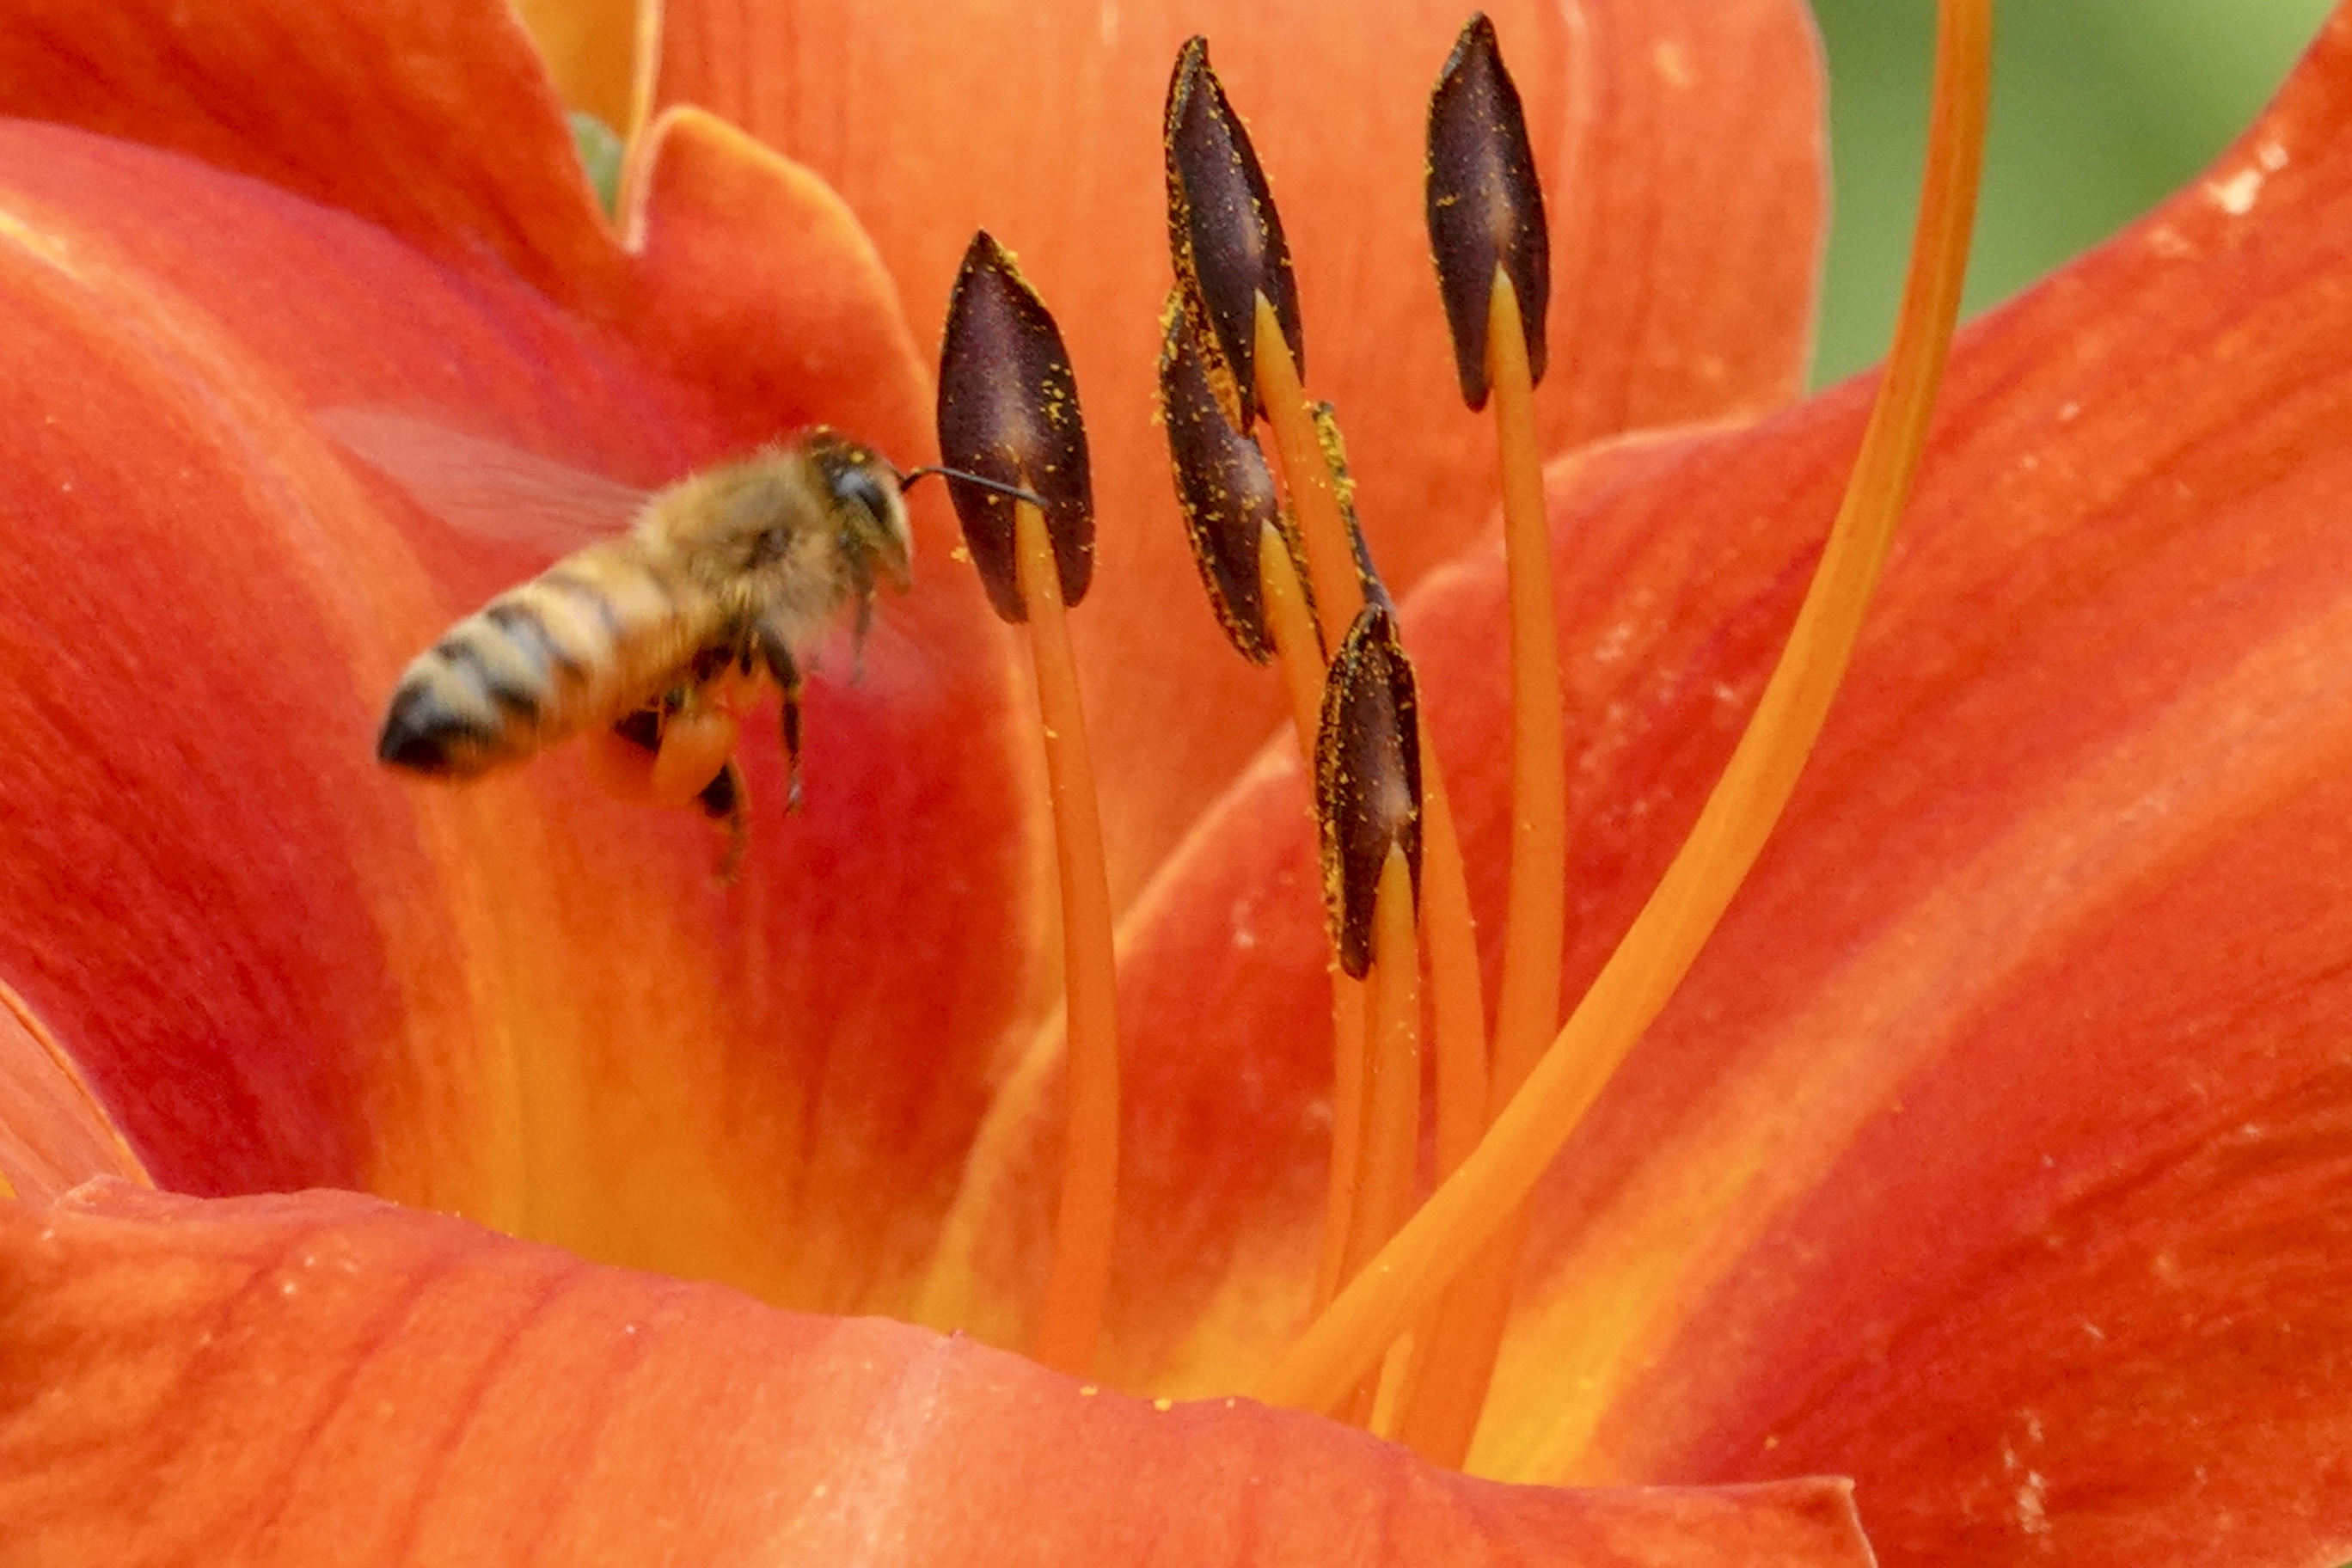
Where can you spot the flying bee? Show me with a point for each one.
(662, 633)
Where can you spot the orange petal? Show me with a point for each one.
(53, 1134)
(279, 965)
(2042, 985)
(273, 91)
(1680, 142)
(290, 1379)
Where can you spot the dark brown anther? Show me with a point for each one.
(1367, 778)
(1485, 209)
(1009, 412)
(1224, 488)
(1223, 234)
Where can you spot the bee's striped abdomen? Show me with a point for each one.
(594, 637)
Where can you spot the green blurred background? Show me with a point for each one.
(2100, 108)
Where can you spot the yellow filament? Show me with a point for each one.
(1069, 1322)
(1478, 1200)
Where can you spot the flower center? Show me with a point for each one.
(1411, 1291)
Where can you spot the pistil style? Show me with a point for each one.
(1008, 413)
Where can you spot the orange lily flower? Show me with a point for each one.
(1964, 1163)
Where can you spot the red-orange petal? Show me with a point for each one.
(277, 965)
(54, 1135)
(359, 107)
(2032, 1017)
(2044, 979)
(288, 1379)
(1679, 140)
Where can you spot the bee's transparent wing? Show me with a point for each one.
(484, 489)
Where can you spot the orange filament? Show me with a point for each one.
(1392, 1042)
(1459, 1005)
(1434, 1377)
(1528, 1007)
(1348, 1034)
(1069, 1323)
(1467, 1328)
(1307, 476)
(1457, 995)
(1392, 1048)
(1300, 653)
(1478, 1200)
(1296, 648)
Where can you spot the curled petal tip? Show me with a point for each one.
(1366, 777)
(1485, 208)
(1223, 234)
(1008, 411)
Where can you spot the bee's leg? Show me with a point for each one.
(778, 655)
(857, 638)
(727, 799)
(698, 736)
(642, 729)
(621, 758)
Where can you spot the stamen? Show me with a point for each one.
(1299, 650)
(1225, 491)
(1457, 999)
(1323, 532)
(1422, 1406)
(1489, 235)
(1233, 264)
(1477, 1201)
(1367, 778)
(1298, 643)
(1392, 1048)
(1224, 236)
(1484, 206)
(1009, 412)
(1367, 804)
(1077, 1282)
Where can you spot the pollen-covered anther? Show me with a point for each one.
(1223, 234)
(1008, 411)
(1485, 209)
(1367, 778)
(1333, 445)
(1225, 490)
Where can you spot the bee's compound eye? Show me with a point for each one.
(863, 485)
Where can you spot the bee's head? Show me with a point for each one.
(868, 508)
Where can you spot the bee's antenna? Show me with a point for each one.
(1016, 492)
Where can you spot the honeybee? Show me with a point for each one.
(723, 581)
